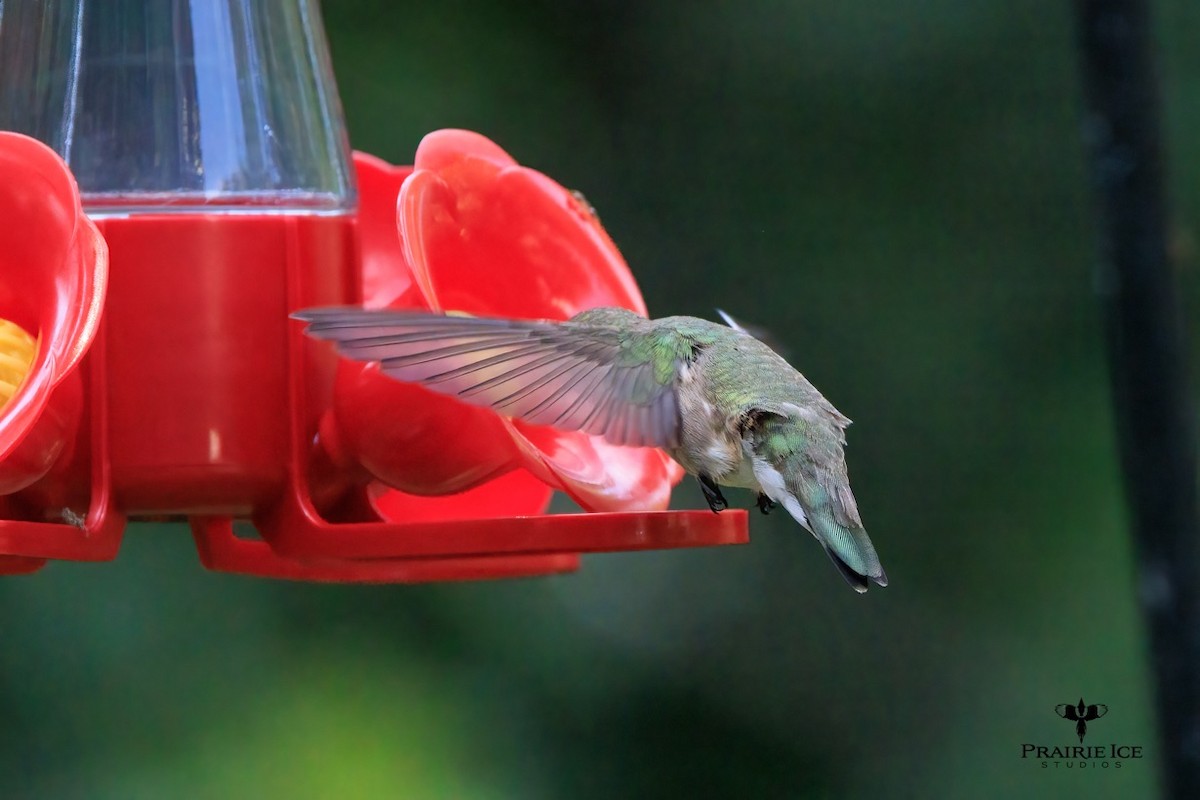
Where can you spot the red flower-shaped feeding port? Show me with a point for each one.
(477, 233)
(53, 275)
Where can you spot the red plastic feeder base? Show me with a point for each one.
(223, 551)
(388, 552)
(217, 421)
(20, 565)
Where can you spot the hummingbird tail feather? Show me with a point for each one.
(857, 582)
(849, 547)
(847, 544)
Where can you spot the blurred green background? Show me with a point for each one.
(895, 189)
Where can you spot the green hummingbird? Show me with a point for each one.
(722, 403)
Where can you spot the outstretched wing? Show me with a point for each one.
(1066, 711)
(570, 376)
(1096, 711)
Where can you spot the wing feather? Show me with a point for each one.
(570, 376)
(576, 414)
(526, 399)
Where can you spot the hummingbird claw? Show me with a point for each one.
(766, 504)
(712, 493)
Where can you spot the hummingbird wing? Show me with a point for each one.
(571, 376)
(758, 332)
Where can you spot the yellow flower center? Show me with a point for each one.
(17, 351)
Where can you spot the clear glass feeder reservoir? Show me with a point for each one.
(159, 106)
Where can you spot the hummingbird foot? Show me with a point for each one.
(712, 493)
(766, 504)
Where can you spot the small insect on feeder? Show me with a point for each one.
(174, 182)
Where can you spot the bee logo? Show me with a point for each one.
(1081, 714)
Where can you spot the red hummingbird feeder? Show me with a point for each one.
(161, 215)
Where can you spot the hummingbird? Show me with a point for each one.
(719, 401)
